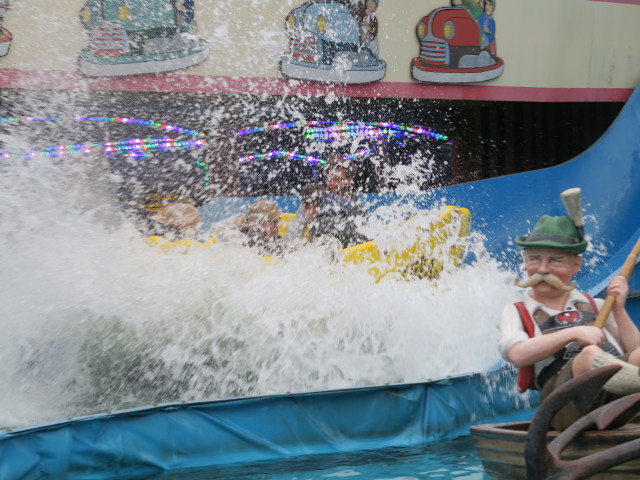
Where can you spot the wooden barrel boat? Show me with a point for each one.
(501, 447)
(603, 444)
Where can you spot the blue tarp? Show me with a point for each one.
(147, 441)
(139, 443)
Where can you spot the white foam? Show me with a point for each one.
(94, 319)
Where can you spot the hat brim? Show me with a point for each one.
(570, 247)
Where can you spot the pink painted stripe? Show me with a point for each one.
(64, 80)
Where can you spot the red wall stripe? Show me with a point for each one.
(65, 80)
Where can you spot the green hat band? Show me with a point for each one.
(541, 237)
(553, 232)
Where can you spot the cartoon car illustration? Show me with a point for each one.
(128, 37)
(5, 35)
(450, 49)
(326, 46)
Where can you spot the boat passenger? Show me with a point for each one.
(178, 221)
(340, 212)
(563, 342)
(261, 227)
(311, 197)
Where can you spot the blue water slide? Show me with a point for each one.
(172, 438)
(608, 173)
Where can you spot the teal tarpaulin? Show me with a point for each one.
(143, 442)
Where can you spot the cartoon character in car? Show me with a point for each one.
(128, 37)
(457, 48)
(334, 41)
(5, 35)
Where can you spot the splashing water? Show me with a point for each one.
(94, 319)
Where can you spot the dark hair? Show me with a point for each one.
(312, 194)
(337, 161)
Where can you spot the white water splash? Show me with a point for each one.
(94, 319)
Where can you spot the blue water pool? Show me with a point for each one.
(454, 459)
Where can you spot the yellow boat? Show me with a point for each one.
(440, 243)
(179, 245)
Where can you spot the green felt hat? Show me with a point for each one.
(553, 232)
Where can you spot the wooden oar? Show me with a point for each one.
(572, 199)
(625, 271)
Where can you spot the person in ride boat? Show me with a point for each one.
(311, 198)
(260, 227)
(178, 221)
(550, 335)
(340, 212)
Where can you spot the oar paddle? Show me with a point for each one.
(572, 199)
(625, 271)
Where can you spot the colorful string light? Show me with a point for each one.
(331, 131)
(308, 159)
(134, 121)
(204, 167)
(135, 147)
(359, 154)
(371, 130)
(146, 145)
(279, 126)
(58, 151)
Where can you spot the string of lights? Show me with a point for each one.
(308, 159)
(315, 130)
(359, 154)
(127, 120)
(59, 151)
(278, 126)
(368, 130)
(134, 147)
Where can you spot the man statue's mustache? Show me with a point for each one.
(549, 278)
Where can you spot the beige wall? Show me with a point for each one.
(544, 43)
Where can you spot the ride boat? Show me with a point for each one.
(439, 243)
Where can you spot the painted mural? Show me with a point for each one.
(458, 44)
(334, 41)
(5, 35)
(139, 36)
(494, 49)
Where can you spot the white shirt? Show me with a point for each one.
(294, 235)
(511, 331)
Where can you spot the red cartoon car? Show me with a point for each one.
(450, 50)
